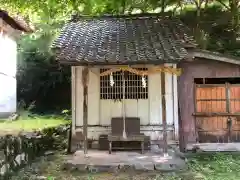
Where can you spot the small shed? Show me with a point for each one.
(127, 68)
(10, 29)
(209, 102)
(124, 67)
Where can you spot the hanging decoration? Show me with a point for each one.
(111, 79)
(158, 69)
(144, 84)
(124, 135)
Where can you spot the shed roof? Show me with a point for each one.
(133, 39)
(205, 54)
(16, 22)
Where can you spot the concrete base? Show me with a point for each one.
(214, 147)
(101, 161)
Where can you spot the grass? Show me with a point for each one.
(201, 167)
(218, 166)
(29, 124)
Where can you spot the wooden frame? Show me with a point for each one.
(73, 68)
(164, 116)
(228, 100)
(227, 113)
(138, 138)
(85, 74)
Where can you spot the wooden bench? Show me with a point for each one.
(132, 127)
(133, 138)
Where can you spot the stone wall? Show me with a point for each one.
(17, 151)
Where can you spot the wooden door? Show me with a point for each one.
(235, 109)
(217, 110)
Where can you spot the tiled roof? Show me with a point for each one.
(123, 40)
(16, 22)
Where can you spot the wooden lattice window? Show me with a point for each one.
(134, 88)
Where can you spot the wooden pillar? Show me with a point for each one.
(85, 73)
(229, 120)
(164, 116)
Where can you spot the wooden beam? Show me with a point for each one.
(175, 105)
(85, 73)
(213, 114)
(117, 66)
(73, 70)
(164, 116)
(229, 120)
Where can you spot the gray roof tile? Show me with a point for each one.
(123, 40)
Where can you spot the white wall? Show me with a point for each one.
(101, 111)
(8, 63)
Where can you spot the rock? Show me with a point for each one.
(144, 166)
(13, 117)
(67, 165)
(81, 167)
(169, 164)
(48, 153)
(125, 168)
(41, 177)
(165, 167)
(103, 168)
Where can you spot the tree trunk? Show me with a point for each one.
(197, 30)
(234, 10)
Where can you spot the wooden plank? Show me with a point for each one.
(215, 114)
(143, 111)
(169, 97)
(235, 92)
(129, 138)
(93, 97)
(154, 98)
(85, 73)
(73, 99)
(203, 93)
(164, 120)
(228, 98)
(235, 98)
(212, 129)
(199, 100)
(175, 106)
(79, 96)
(235, 85)
(228, 109)
(210, 85)
(211, 106)
(235, 106)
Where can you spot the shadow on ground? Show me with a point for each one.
(51, 167)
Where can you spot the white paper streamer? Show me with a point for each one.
(111, 80)
(144, 84)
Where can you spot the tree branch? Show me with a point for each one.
(227, 7)
(196, 3)
(206, 4)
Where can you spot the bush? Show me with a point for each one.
(18, 151)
